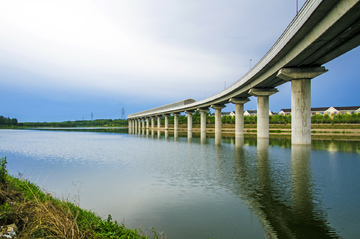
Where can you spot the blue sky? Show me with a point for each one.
(63, 60)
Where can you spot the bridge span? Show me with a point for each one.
(322, 31)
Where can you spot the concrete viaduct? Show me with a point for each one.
(322, 31)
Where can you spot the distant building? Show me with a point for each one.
(231, 113)
(319, 110)
(250, 113)
(254, 113)
(285, 112)
(348, 109)
(327, 110)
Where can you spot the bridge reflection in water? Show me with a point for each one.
(284, 202)
(285, 206)
(281, 183)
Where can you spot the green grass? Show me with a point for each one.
(39, 215)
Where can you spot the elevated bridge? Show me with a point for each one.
(322, 31)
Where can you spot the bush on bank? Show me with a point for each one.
(36, 214)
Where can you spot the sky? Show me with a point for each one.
(68, 60)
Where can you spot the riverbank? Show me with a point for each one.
(26, 211)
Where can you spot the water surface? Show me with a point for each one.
(192, 188)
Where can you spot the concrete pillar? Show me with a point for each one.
(166, 121)
(189, 112)
(133, 126)
(239, 115)
(217, 109)
(147, 122)
(158, 121)
(262, 95)
(152, 122)
(176, 120)
(143, 123)
(135, 121)
(203, 111)
(129, 126)
(300, 101)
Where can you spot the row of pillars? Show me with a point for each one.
(300, 108)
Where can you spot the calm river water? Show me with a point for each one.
(194, 188)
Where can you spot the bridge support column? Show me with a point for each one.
(152, 122)
(135, 121)
(176, 120)
(147, 122)
(158, 121)
(203, 111)
(217, 109)
(262, 96)
(166, 121)
(143, 123)
(189, 113)
(300, 101)
(239, 115)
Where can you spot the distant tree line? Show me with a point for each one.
(78, 123)
(273, 119)
(336, 119)
(6, 121)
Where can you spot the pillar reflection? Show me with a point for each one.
(147, 133)
(218, 138)
(166, 134)
(263, 164)
(152, 133)
(158, 134)
(203, 137)
(239, 141)
(301, 181)
(176, 135)
(189, 136)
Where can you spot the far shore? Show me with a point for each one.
(321, 131)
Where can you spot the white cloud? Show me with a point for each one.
(137, 46)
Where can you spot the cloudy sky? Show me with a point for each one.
(63, 60)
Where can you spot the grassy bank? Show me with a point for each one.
(34, 213)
